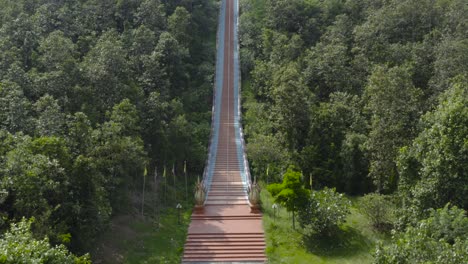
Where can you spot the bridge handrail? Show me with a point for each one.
(239, 98)
(208, 161)
(213, 108)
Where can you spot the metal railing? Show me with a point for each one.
(214, 122)
(206, 170)
(239, 98)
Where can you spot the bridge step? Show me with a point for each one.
(227, 193)
(225, 247)
(225, 197)
(217, 182)
(225, 202)
(224, 237)
(239, 241)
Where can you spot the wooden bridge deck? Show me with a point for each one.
(226, 231)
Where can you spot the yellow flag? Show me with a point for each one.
(268, 169)
(145, 172)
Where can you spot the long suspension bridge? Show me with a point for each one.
(226, 230)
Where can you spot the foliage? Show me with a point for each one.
(334, 154)
(19, 246)
(392, 102)
(325, 211)
(354, 243)
(265, 155)
(90, 92)
(15, 108)
(433, 169)
(340, 86)
(179, 25)
(378, 98)
(378, 209)
(441, 238)
(290, 193)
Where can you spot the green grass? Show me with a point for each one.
(354, 242)
(163, 244)
(135, 240)
(156, 238)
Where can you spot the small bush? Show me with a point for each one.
(379, 210)
(326, 210)
(19, 246)
(290, 193)
(441, 238)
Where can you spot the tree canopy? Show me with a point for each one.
(365, 97)
(346, 88)
(91, 93)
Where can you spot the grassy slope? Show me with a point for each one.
(132, 239)
(155, 238)
(354, 244)
(159, 245)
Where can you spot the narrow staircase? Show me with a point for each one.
(227, 230)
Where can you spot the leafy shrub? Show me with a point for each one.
(378, 209)
(19, 246)
(290, 193)
(326, 210)
(441, 238)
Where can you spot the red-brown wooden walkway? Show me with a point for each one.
(226, 231)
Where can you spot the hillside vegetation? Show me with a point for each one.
(95, 95)
(362, 96)
(355, 114)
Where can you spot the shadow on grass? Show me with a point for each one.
(346, 242)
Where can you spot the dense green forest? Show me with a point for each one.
(346, 104)
(93, 94)
(363, 96)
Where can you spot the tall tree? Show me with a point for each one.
(171, 55)
(15, 109)
(50, 118)
(451, 60)
(37, 184)
(334, 147)
(106, 70)
(393, 106)
(152, 14)
(118, 153)
(179, 26)
(57, 74)
(293, 119)
(434, 167)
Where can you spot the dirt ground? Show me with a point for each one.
(108, 249)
